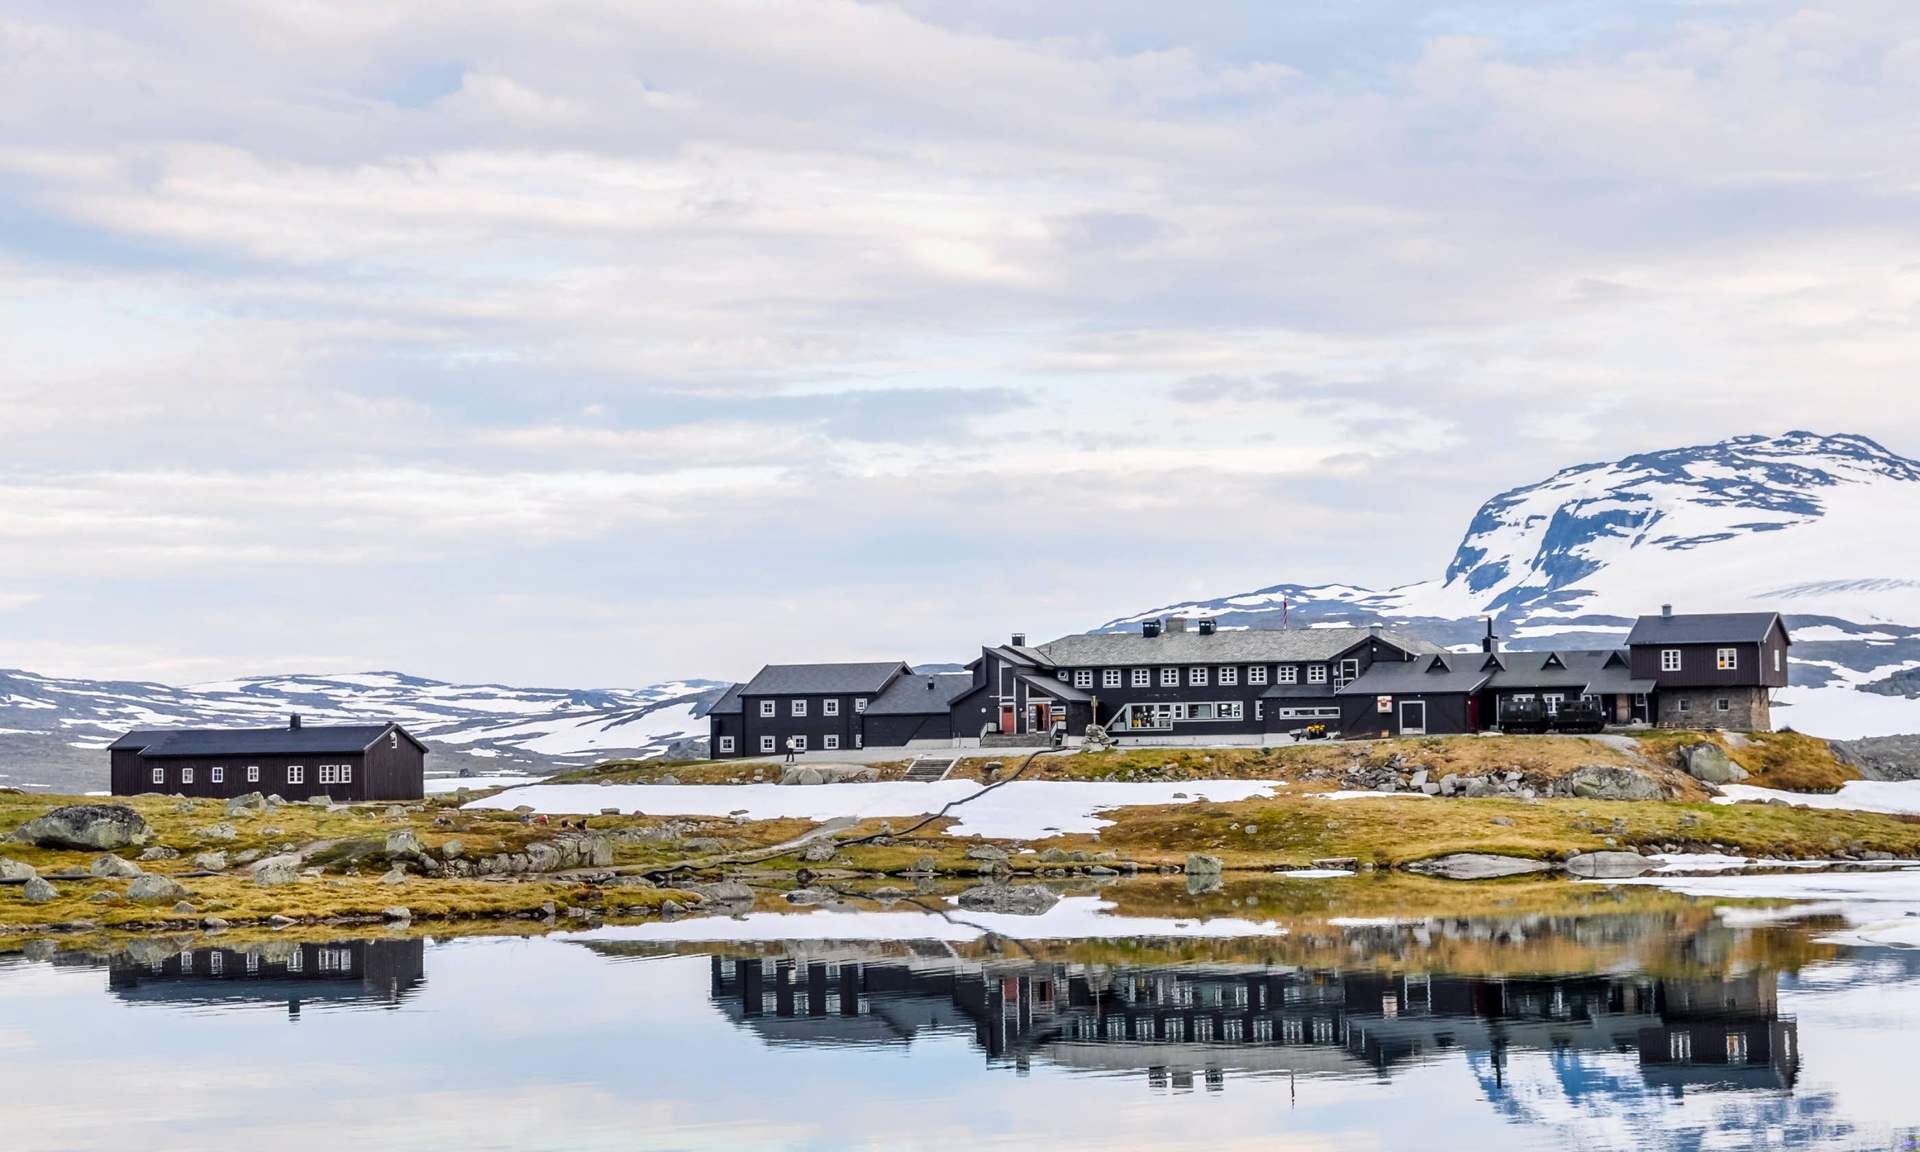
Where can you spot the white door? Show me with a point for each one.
(1413, 717)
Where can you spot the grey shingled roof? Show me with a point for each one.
(1525, 670)
(308, 740)
(823, 679)
(919, 695)
(1705, 628)
(1439, 673)
(1617, 681)
(1298, 692)
(729, 702)
(1247, 646)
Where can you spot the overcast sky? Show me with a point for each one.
(597, 343)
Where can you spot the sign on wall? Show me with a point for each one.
(1383, 704)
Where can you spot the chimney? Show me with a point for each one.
(1019, 639)
(1666, 611)
(1149, 628)
(1207, 626)
(293, 722)
(1492, 642)
(1176, 624)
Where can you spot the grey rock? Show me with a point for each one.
(394, 877)
(807, 897)
(211, 861)
(278, 920)
(404, 843)
(221, 832)
(251, 802)
(247, 857)
(673, 908)
(183, 907)
(1609, 782)
(213, 923)
(112, 867)
(38, 891)
(397, 912)
(14, 871)
(157, 852)
(818, 852)
(1336, 863)
(924, 866)
(988, 853)
(725, 892)
(1020, 900)
(452, 850)
(1199, 865)
(668, 778)
(276, 871)
(1608, 865)
(151, 889)
(1503, 821)
(1708, 762)
(1477, 866)
(83, 827)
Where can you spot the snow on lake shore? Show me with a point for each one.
(1900, 797)
(1073, 918)
(1018, 811)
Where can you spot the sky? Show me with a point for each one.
(603, 342)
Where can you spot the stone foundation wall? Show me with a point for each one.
(1748, 709)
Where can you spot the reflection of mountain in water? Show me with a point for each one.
(1177, 1024)
(341, 973)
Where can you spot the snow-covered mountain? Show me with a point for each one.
(1822, 528)
(53, 731)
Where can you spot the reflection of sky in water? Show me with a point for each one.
(548, 1044)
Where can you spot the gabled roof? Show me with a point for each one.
(1706, 628)
(1551, 669)
(1058, 689)
(1242, 646)
(918, 695)
(308, 740)
(823, 679)
(1441, 673)
(729, 702)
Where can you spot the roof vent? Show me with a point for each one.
(1208, 625)
(1149, 628)
(1666, 611)
(293, 722)
(1019, 640)
(1176, 624)
(929, 683)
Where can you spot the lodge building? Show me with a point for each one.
(349, 763)
(1191, 682)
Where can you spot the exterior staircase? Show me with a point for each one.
(929, 769)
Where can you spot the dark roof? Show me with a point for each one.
(1298, 692)
(729, 702)
(1618, 681)
(919, 695)
(823, 679)
(1439, 673)
(1706, 628)
(1234, 646)
(308, 740)
(1058, 689)
(1556, 669)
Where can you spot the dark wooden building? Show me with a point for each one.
(1714, 669)
(914, 710)
(817, 707)
(348, 763)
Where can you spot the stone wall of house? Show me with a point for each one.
(1748, 709)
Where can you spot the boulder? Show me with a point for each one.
(1016, 900)
(819, 852)
(452, 850)
(158, 853)
(251, 802)
(276, 871)
(111, 867)
(404, 843)
(38, 891)
(1477, 866)
(1199, 865)
(1608, 865)
(394, 877)
(807, 897)
(80, 827)
(16, 872)
(725, 892)
(1336, 863)
(987, 853)
(667, 778)
(211, 861)
(1709, 762)
(397, 912)
(1610, 782)
(221, 832)
(151, 889)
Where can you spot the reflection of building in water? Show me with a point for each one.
(1177, 1023)
(380, 972)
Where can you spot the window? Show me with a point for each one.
(1551, 701)
(217, 774)
(1083, 678)
(1199, 711)
(1349, 672)
(860, 705)
(831, 742)
(766, 707)
(1259, 709)
(1726, 659)
(296, 774)
(830, 707)
(346, 773)
(186, 774)
(1289, 674)
(1316, 673)
(253, 773)
(1196, 676)
(1256, 674)
(1169, 677)
(1736, 1047)
(798, 708)
(296, 961)
(1684, 705)
(326, 773)
(1776, 659)
(726, 743)
(1229, 677)
(799, 743)
(186, 963)
(159, 775)
(1110, 678)
(1063, 676)
(1680, 1046)
(1722, 704)
(1669, 659)
(766, 743)
(1143, 677)
(253, 961)
(216, 963)
(1232, 710)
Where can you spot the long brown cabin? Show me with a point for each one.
(366, 762)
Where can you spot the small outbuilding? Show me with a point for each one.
(346, 762)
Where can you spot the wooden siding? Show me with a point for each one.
(387, 770)
(816, 725)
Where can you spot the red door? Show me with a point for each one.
(1473, 713)
(1006, 719)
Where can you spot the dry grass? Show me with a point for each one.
(1790, 761)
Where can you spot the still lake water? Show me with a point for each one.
(1664, 1030)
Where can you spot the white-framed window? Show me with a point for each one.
(326, 773)
(1669, 659)
(1551, 702)
(1349, 672)
(1256, 674)
(159, 775)
(1143, 677)
(1196, 676)
(799, 743)
(1680, 1046)
(766, 743)
(217, 774)
(1229, 677)
(1316, 673)
(186, 774)
(1289, 674)
(1259, 709)
(797, 708)
(1232, 710)
(1722, 704)
(253, 961)
(1684, 705)
(216, 962)
(296, 774)
(186, 963)
(346, 773)
(726, 743)
(1110, 678)
(1736, 1047)
(1083, 678)
(830, 742)
(253, 773)
(767, 708)
(1726, 659)
(1200, 710)
(830, 707)
(860, 704)
(1169, 677)
(296, 960)
(1776, 659)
